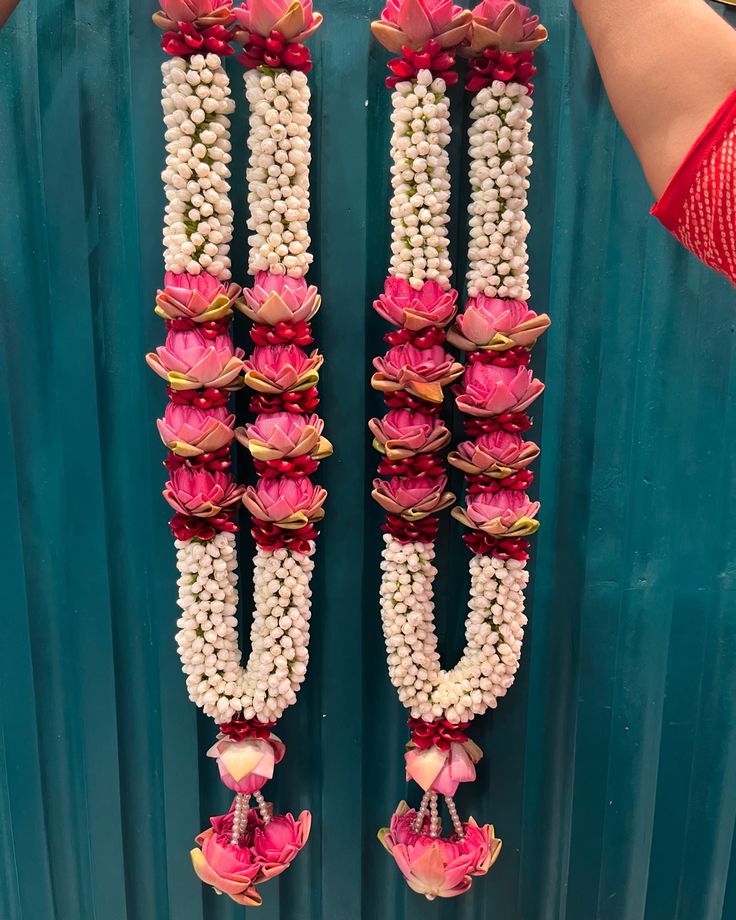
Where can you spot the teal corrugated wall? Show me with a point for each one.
(611, 766)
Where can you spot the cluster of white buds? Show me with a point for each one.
(421, 181)
(208, 636)
(199, 217)
(494, 631)
(500, 164)
(278, 174)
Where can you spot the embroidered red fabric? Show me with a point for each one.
(699, 204)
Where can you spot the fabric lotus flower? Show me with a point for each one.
(279, 299)
(498, 454)
(507, 25)
(203, 13)
(491, 323)
(441, 771)
(480, 844)
(200, 298)
(200, 492)
(405, 307)
(402, 433)
(438, 867)
(190, 432)
(277, 843)
(246, 766)
(275, 435)
(190, 360)
(288, 503)
(420, 371)
(230, 870)
(412, 497)
(282, 369)
(294, 19)
(488, 389)
(266, 850)
(415, 22)
(506, 513)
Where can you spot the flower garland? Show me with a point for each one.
(497, 331)
(202, 367)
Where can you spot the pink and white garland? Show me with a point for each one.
(496, 331)
(202, 367)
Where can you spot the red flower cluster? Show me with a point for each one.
(269, 536)
(431, 56)
(214, 460)
(493, 64)
(507, 548)
(518, 482)
(189, 527)
(514, 357)
(282, 334)
(440, 734)
(209, 398)
(306, 401)
(274, 52)
(293, 467)
(422, 338)
(418, 465)
(188, 40)
(400, 399)
(210, 330)
(513, 422)
(425, 531)
(240, 729)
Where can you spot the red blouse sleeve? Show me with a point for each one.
(699, 204)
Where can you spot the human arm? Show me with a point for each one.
(667, 66)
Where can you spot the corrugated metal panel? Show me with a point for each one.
(610, 767)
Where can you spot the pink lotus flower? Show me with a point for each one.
(189, 360)
(265, 850)
(496, 324)
(282, 369)
(415, 22)
(190, 432)
(412, 497)
(491, 390)
(277, 843)
(441, 771)
(200, 298)
(246, 766)
(439, 867)
(506, 513)
(420, 371)
(480, 844)
(498, 454)
(275, 435)
(279, 299)
(403, 306)
(230, 870)
(507, 25)
(200, 492)
(401, 827)
(294, 19)
(288, 503)
(402, 433)
(203, 13)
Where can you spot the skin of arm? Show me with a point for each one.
(6, 8)
(667, 66)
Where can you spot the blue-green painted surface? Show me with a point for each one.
(611, 766)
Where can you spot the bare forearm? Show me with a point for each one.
(6, 8)
(667, 65)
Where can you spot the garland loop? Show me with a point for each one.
(202, 368)
(494, 389)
